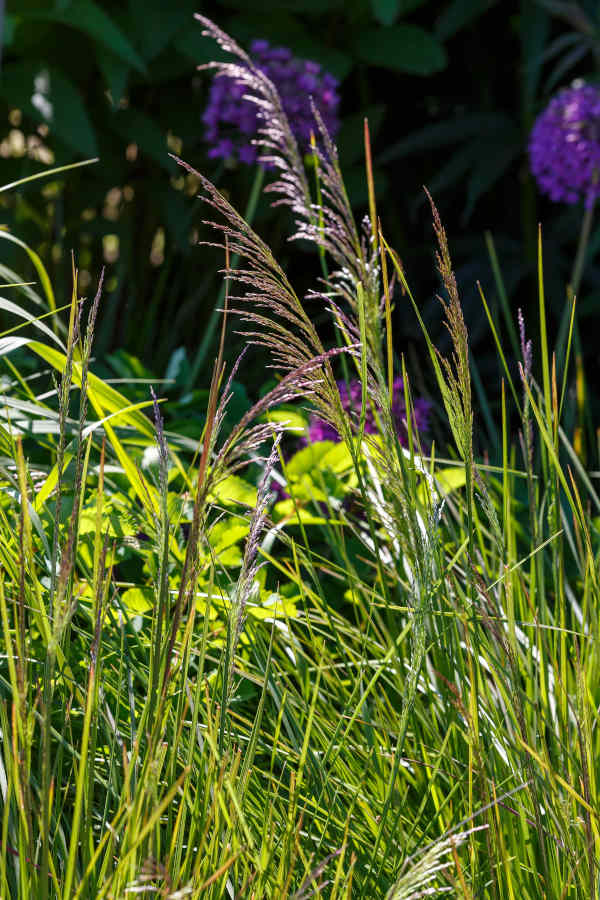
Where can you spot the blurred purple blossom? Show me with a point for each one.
(351, 397)
(232, 120)
(564, 146)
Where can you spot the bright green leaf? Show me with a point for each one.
(234, 490)
(138, 599)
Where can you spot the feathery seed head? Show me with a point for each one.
(233, 117)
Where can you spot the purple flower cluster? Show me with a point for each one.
(351, 397)
(232, 121)
(564, 147)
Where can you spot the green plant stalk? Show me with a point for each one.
(340, 332)
(360, 299)
(582, 245)
(388, 317)
(575, 284)
(47, 173)
(319, 193)
(213, 322)
(80, 783)
(504, 302)
(160, 608)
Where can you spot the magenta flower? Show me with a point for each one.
(564, 147)
(232, 120)
(319, 430)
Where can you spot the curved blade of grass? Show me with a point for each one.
(36, 321)
(47, 173)
(107, 397)
(37, 262)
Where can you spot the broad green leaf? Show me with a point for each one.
(150, 138)
(25, 406)
(534, 31)
(8, 31)
(308, 459)
(156, 25)
(226, 533)
(103, 398)
(90, 18)
(285, 30)
(106, 396)
(451, 478)
(450, 131)
(492, 162)
(318, 456)
(115, 71)
(231, 557)
(387, 11)
(234, 490)
(447, 480)
(458, 164)
(286, 509)
(46, 94)
(114, 416)
(145, 492)
(308, 6)
(139, 599)
(50, 483)
(293, 420)
(272, 606)
(113, 524)
(6, 443)
(458, 15)
(306, 488)
(403, 48)
(338, 458)
(192, 44)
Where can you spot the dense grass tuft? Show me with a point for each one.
(379, 680)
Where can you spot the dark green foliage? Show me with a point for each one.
(443, 110)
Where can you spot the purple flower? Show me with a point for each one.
(231, 120)
(351, 397)
(564, 147)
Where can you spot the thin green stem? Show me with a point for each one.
(579, 263)
(211, 327)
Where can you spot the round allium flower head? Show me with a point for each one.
(351, 397)
(564, 147)
(232, 121)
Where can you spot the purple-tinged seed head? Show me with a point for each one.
(526, 347)
(232, 120)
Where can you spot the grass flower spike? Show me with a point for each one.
(232, 118)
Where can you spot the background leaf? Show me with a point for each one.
(87, 16)
(403, 48)
(63, 111)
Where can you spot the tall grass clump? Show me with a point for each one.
(239, 666)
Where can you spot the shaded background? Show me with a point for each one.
(450, 88)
